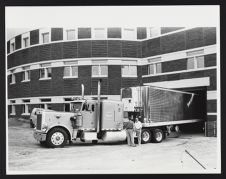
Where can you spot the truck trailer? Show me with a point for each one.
(160, 111)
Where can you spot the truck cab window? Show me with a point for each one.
(76, 105)
(93, 107)
(85, 107)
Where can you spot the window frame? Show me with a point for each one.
(12, 47)
(45, 105)
(13, 79)
(195, 59)
(25, 109)
(99, 71)
(155, 68)
(70, 71)
(24, 42)
(129, 75)
(66, 34)
(43, 34)
(93, 35)
(153, 35)
(125, 30)
(12, 109)
(26, 74)
(45, 73)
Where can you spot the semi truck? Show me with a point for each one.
(160, 111)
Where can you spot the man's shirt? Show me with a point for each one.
(138, 125)
(129, 124)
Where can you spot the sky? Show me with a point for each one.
(21, 19)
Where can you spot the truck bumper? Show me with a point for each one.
(39, 136)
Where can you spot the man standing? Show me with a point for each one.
(138, 127)
(129, 126)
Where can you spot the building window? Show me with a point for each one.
(26, 74)
(45, 106)
(12, 47)
(25, 42)
(46, 71)
(99, 33)
(129, 34)
(154, 32)
(25, 109)
(195, 59)
(45, 37)
(129, 71)
(45, 100)
(70, 34)
(200, 61)
(195, 62)
(42, 106)
(12, 78)
(99, 71)
(191, 63)
(154, 68)
(158, 68)
(12, 110)
(71, 71)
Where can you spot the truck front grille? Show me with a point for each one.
(39, 122)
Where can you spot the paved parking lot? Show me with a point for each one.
(25, 155)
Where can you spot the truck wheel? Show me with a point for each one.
(158, 135)
(145, 136)
(57, 137)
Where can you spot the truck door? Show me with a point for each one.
(89, 115)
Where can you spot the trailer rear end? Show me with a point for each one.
(160, 110)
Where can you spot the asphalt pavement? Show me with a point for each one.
(188, 153)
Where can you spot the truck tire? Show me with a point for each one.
(56, 138)
(158, 135)
(145, 136)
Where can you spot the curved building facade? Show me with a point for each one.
(45, 67)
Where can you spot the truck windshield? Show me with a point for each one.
(76, 105)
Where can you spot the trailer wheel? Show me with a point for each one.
(145, 136)
(158, 135)
(57, 137)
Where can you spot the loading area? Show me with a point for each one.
(26, 155)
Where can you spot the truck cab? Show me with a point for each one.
(88, 120)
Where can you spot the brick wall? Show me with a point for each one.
(99, 48)
(114, 79)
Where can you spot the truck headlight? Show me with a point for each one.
(44, 127)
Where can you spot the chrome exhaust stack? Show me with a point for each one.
(82, 86)
(98, 106)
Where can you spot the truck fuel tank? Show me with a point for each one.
(114, 136)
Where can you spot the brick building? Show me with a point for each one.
(47, 66)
